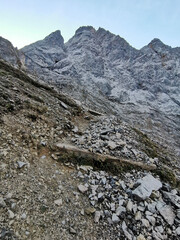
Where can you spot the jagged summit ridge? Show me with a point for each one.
(44, 53)
(55, 38)
(156, 41)
(85, 29)
(8, 52)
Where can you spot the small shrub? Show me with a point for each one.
(9, 107)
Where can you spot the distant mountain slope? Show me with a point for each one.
(101, 61)
(9, 53)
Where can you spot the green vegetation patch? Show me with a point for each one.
(41, 109)
(108, 165)
(167, 175)
(151, 148)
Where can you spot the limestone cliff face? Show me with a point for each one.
(100, 60)
(9, 53)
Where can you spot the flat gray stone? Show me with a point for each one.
(120, 210)
(145, 222)
(63, 105)
(23, 216)
(2, 202)
(138, 216)
(145, 187)
(178, 231)
(166, 212)
(21, 164)
(129, 206)
(178, 213)
(113, 206)
(115, 218)
(141, 237)
(72, 230)
(152, 207)
(151, 219)
(11, 214)
(90, 210)
(58, 202)
(85, 168)
(173, 198)
(112, 145)
(82, 188)
(97, 216)
(100, 195)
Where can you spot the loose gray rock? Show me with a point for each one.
(120, 210)
(2, 202)
(166, 211)
(141, 237)
(72, 230)
(11, 214)
(112, 145)
(159, 229)
(152, 207)
(82, 188)
(145, 223)
(63, 105)
(138, 216)
(129, 206)
(115, 218)
(58, 202)
(126, 233)
(145, 187)
(97, 216)
(113, 206)
(23, 216)
(173, 198)
(151, 219)
(178, 213)
(100, 195)
(90, 210)
(178, 231)
(85, 168)
(21, 164)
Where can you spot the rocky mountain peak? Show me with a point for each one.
(158, 46)
(82, 29)
(103, 34)
(55, 38)
(156, 42)
(8, 52)
(102, 30)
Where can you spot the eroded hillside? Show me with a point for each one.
(71, 173)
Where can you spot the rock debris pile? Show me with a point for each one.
(112, 137)
(43, 197)
(137, 207)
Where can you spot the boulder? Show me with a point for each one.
(145, 187)
(166, 212)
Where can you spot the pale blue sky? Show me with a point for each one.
(138, 21)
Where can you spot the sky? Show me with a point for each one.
(138, 21)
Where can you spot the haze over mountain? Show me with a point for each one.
(107, 74)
